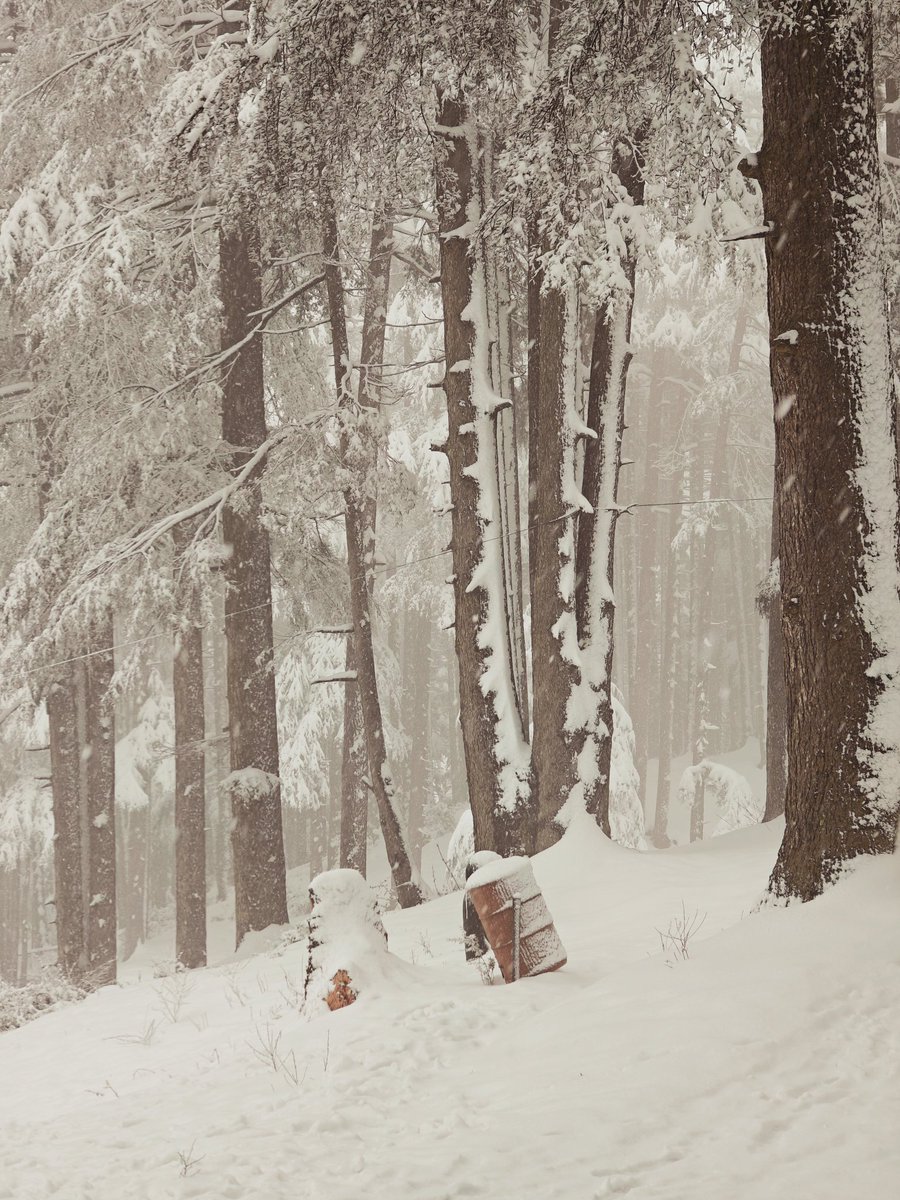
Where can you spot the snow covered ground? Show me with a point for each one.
(763, 1066)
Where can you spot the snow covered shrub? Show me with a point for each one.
(736, 803)
(346, 939)
(462, 845)
(21, 1004)
(626, 814)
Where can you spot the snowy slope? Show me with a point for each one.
(764, 1066)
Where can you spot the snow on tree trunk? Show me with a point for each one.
(260, 895)
(494, 735)
(190, 769)
(558, 718)
(499, 318)
(769, 603)
(357, 446)
(354, 775)
(595, 550)
(835, 439)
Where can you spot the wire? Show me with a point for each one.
(401, 566)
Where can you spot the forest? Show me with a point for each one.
(433, 430)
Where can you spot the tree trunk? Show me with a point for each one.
(892, 149)
(835, 448)
(554, 635)
(493, 728)
(65, 752)
(666, 691)
(776, 699)
(354, 775)
(190, 769)
(260, 896)
(418, 658)
(100, 752)
(595, 603)
(65, 773)
(354, 761)
(357, 443)
(649, 632)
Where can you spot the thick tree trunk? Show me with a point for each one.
(493, 729)
(357, 450)
(260, 897)
(100, 753)
(556, 739)
(190, 770)
(892, 150)
(835, 449)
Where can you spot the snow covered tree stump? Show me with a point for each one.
(515, 919)
(345, 935)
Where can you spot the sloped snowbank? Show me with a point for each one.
(763, 1066)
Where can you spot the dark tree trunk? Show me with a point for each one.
(493, 732)
(100, 753)
(835, 459)
(555, 654)
(357, 445)
(260, 897)
(190, 770)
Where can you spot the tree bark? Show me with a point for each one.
(554, 636)
(646, 663)
(493, 727)
(357, 444)
(835, 438)
(776, 699)
(100, 753)
(418, 658)
(354, 775)
(190, 769)
(260, 896)
(595, 604)
(354, 760)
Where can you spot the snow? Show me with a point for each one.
(493, 872)
(762, 1065)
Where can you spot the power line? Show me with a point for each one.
(410, 562)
